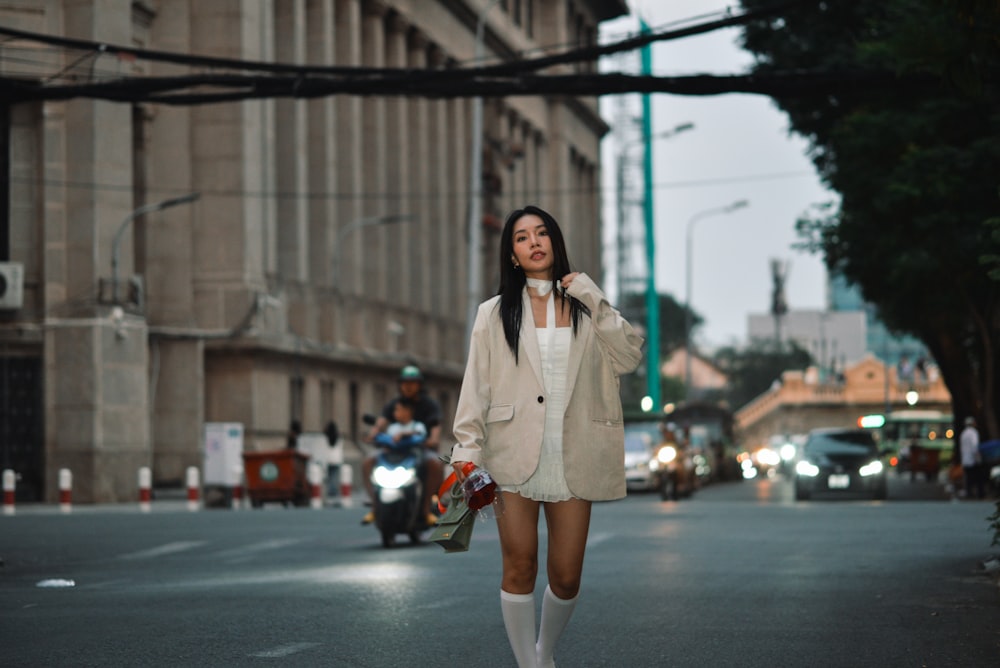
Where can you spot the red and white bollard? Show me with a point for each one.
(145, 489)
(238, 487)
(9, 485)
(65, 490)
(193, 488)
(315, 485)
(346, 480)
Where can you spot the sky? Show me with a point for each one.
(739, 149)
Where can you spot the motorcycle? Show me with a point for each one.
(398, 489)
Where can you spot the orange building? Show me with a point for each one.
(802, 401)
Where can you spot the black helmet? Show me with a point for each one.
(411, 373)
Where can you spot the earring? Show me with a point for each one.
(515, 262)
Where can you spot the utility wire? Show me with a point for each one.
(276, 80)
(411, 196)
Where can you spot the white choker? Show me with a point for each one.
(541, 286)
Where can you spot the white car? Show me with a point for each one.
(640, 447)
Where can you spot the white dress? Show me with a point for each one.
(548, 482)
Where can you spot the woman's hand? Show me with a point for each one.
(568, 279)
(459, 474)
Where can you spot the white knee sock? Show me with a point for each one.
(519, 620)
(555, 615)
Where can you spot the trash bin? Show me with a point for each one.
(926, 461)
(276, 475)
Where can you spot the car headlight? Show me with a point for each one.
(807, 469)
(871, 468)
(667, 454)
(393, 477)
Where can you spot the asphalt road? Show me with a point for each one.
(739, 575)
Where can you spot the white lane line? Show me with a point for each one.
(284, 650)
(263, 546)
(598, 538)
(162, 550)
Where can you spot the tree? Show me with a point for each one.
(753, 370)
(672, 334)
(915, 168)
(672, 337)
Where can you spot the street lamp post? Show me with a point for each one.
(141, 211)
(623, 160)
(652, 299)
(357, 224)
(739, 204)
(475, 224)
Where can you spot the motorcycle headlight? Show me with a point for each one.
(871, 468)
(393, 477)
(807, 469)
(667, 454)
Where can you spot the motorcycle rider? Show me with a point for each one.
(428, 412)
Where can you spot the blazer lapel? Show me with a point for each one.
(529, 337)
(577, 345)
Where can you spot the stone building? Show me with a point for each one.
(326, 247)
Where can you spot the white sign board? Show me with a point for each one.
(223, 453)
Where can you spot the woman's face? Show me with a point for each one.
(533, 247)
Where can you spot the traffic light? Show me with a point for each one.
(871, 421)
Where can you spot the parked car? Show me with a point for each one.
(641, 441)
(840, 461)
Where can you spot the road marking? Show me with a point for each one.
(162, 550)
(598, 538)
(243, 551)
(285, 650)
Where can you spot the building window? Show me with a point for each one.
(296, 392)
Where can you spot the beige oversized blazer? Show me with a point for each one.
(501, 407)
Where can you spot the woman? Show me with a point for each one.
(540, 410)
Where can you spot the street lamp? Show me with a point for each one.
(475, 191)
(652, 299)
(739, 204)
(142, 210)
(357, 224)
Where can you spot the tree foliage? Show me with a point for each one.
(753, 370)
(916, 169)
(672, 323)
(672, 337)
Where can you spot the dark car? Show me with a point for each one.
(840, 461)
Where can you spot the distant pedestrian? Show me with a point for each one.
(294, 431)
(972, 460)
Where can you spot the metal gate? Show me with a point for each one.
(21, 424)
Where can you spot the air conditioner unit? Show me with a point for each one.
(11, 285)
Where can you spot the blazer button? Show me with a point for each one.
(541, 399)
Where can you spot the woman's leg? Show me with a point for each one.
(568, 523)
(518, 528)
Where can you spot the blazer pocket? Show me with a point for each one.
(500, 413)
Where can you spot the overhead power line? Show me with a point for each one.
(237, 80)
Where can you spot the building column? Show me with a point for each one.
(291, 149)
(322, 171)
(350, 181)
(176, 378)
(370, 243)
(95, 406)
(419, 181)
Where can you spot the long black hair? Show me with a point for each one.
(513, 280)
